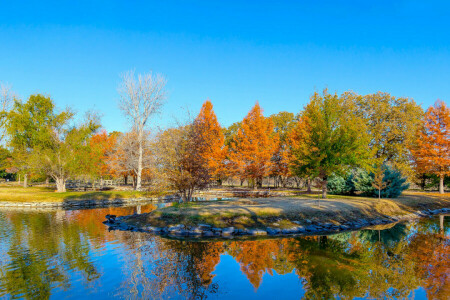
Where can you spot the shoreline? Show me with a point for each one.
(207, 232)
(279, 216)
(83, 203)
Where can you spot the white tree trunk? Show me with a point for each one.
(139, 171)
(60, 185)
(25, 181)
(441, 184)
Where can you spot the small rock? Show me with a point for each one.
(257, 232)
(208, 234)
(204, 226)
(228, 231)
(273, 231)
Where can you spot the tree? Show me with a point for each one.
(67, 154)
(212, 148)
(432, 149)
(179, 160)
(6, 102)
(231, 132)
(140, 99)
(331, 138)
(378, 181)
(251, 152)
(31, 127)
(391, 123)
(283, 124)
(124, 160)
(102, 148)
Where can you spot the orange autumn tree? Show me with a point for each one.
(253, 147)
(432, 149)
(213, 148)
(102, 147)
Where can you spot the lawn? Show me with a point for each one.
(44, 194)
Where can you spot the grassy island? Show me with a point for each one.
(285, 212)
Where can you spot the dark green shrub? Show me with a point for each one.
(341, 185)
(396, 184)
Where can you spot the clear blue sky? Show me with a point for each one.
(232, 52)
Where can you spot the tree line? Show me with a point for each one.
(375, 139)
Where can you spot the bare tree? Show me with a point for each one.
(6, 102)
(141, 97)
(125, 157)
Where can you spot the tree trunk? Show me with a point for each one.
(125, 179)
(324, 187)
(60, 185)
(25, 180)
(139, 171)
(441, 184)
(308, 185)
(134, 182)
(379, 194)
(423, 182)
(47, 181)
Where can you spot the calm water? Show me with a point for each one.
(71, 254)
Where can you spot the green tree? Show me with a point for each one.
(31, 126)
(333, 138)
(391, 124)
(68, 154)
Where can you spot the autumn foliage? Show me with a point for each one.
(432, 149)
(254, 146)
(212, 147)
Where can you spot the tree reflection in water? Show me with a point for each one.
(41, 252)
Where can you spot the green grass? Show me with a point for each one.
(44, 194)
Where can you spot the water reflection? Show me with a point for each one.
(71, 254)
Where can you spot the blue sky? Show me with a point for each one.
(232, 52)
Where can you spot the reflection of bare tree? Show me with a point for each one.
(160, 268)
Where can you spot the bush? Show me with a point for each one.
(363, 182)
(396, 184)
(339, 185)
(360, 181)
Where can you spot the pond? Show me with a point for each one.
(71, 254)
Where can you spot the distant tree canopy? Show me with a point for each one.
(335, 141)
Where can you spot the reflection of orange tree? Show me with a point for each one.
(90, 219)
(431, 253)
(259, 257)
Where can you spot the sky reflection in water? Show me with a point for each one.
(70, 254)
